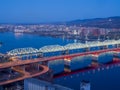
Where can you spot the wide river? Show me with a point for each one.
(105, 78)
(17, 40)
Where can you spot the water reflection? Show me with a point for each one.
(102, 78)
(18, 35)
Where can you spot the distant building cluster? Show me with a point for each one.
(54, 30)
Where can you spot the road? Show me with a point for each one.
(26, 75)
(23, 62)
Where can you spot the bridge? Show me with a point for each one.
(16, 65)
(25, 74)
(62, 49)
(22, 66)
(45, 59)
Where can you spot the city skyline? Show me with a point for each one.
(43, 11)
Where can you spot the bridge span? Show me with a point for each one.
(25, 74)
(24, 62)
(59, 48)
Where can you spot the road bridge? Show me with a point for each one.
(14, 64)
(25, 74)
(45, 59)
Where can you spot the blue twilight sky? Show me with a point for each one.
(37, 11)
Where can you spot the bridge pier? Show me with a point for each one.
(10, 70)
(23, 68)
(38, 67)
(35, 66)
(47, 76)
(118, 45)
(105, 47)
(65, 52)
(44, 63)
(87, 49)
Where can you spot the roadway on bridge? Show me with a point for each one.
(26, 75)
(23, 62)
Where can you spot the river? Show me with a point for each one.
(18, 40)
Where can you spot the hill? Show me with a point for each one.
(110, 22)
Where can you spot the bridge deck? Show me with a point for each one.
(25, 75)
(21, 62)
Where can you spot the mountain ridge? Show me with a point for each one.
(109, 22)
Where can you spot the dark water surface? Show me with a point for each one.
(104, 78)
